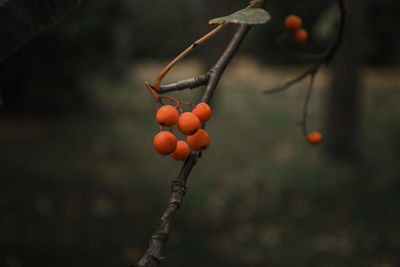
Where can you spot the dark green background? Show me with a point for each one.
(81, 185)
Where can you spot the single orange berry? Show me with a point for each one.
(199, 141)
(203, 111)
(167, 116)
(314, 138)
(293, 23)
(165, 142)
(300, 36)
(181, 152)
(188, 123)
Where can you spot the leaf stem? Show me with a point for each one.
(157, 81)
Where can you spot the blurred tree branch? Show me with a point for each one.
(323, 59)
(21, 20)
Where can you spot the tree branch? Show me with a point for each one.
(157, 81)
(295, 80)
(325, 59)
(153, 255)
(186, 84)
(219, 68)
(306, 103)
(211, 78)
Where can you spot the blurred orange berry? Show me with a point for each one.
(293, 23)
(301, 36)
(314, 138)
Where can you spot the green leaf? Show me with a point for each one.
(248, 15)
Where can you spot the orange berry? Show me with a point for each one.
(203, 111)
(199, 141)
(188, 123)
(167, 116)
(300, 36)
(293, 23)
(165, 142)
(314, 138)
(181, 152)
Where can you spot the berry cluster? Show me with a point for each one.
(188, 123)
(293, 24)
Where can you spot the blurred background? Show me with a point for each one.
(82, 185)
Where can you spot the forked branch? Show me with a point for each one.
(157, 82)
(153, 255)
(185, 84)
(324, 59)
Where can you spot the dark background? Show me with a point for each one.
(81, 184)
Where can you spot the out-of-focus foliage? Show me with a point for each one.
(87, 189)
(106, 36)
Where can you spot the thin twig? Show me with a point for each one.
(295, 80)
(335, 46)
(157, 82)
(153, 255)
(296, 56)
(306, 103)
